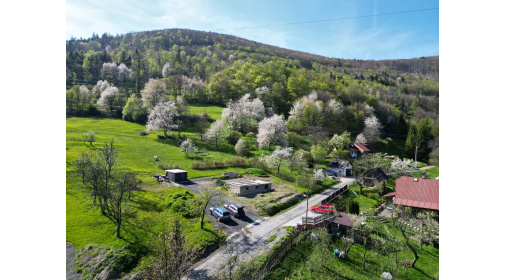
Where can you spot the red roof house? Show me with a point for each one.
(417, 193)
(359, 149)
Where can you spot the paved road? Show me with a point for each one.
(253, 239)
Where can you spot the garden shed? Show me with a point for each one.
(176, 175)
(249, 187)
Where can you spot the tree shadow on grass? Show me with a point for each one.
(146, 204)
(332, 274)
(429, 277)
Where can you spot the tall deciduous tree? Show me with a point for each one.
(209, 195)
(341, 141)
(187, 147)
(239, 114)
(241, 148)
(166, 70)
(272, 131)
(154, 92)
(134, 110)
(163, 117)
(109, 98)
(372, 128)
(277, 157)
(217, 131)
(124, 73)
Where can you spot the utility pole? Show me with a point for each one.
(416, 155)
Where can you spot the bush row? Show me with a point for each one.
(210, 164)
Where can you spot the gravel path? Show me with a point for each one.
(70, 263)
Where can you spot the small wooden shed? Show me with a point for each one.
(176, 175)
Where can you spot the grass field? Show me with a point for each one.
(213, 111)
(431, 173)
(85, 225)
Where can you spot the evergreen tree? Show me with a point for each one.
(410, 144)
(423, 137)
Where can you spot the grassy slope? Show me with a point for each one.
(303, 262)
(214, 112)
(431, 173)
(86, 225)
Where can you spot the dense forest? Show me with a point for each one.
(207, 67)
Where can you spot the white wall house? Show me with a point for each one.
(340, 167)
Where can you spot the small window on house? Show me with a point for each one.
(246, 188)
(266, 187)
(257, 186)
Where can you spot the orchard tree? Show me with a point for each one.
(109, 98)
(361, 138)
(277, 157)
(209, 194)
(299, 160)
(318, 153)
(272, 131)
(163, 117)
(134, 110)
(241, 148)
(342, 141)
(372, 128)
(100, 87)
(240, 114)
(154, 92)
(89, 137)
(187, 147)
(403, 167)
(318, 174)
(217, 131)
(124, 73)
(109, 70)
(166, 70)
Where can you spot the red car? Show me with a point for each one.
(322, 209)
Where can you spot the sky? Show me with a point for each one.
(341, 29)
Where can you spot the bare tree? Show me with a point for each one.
(172, 256)
(209, 195)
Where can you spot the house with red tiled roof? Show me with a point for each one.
(419, 194)
(359, 149)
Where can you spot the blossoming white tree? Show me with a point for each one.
(239, 114)
(360, 138)
(272, 131)
(109, 97)
(166, 70)
(318, 174)
(163, 117)
(100, 87)
(341, 141)
(402, 167)
(372, 128)
(277, 157)
(241, 147)
(124, 73)
(187, 147)
(84, 92)
(155, 91)
(109, 70)
(217, 131)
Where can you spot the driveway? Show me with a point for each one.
(253, 239)
(228, 227)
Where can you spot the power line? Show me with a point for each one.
(332, 19)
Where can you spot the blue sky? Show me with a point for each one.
(395, 36)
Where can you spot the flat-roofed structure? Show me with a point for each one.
(176, 175)
(249, 187)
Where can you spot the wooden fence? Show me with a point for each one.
(279, 253)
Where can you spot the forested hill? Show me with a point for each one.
(208, 67)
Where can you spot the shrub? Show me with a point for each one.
(233, 137)
(258, 172)
(250, 135)
(165, 166)
(179, 206)
(143, 133)
(352, 207)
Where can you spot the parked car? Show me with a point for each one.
(220, 213)
(236, 210)
(322, 208)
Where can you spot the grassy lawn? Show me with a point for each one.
(303, 262)
(394, 147)
(365, 202)
(213, 111)
(85, 225)
(431, 173)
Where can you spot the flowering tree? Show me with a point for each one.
(277, 157)
(100, 87)
(272, 131)
(109, 98)
(155, 91)
(307, 111)
(109, 70)
(187, 147)
(372, 128)
(163, 117)
(108, 48)
(318, 174)
(300, 160)
(239, 114)
(341, 141)
(262, 90)
(241, 147)
(402, 167)
(124, 73)
(166, 70)
(217, 131)
(360, 138)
